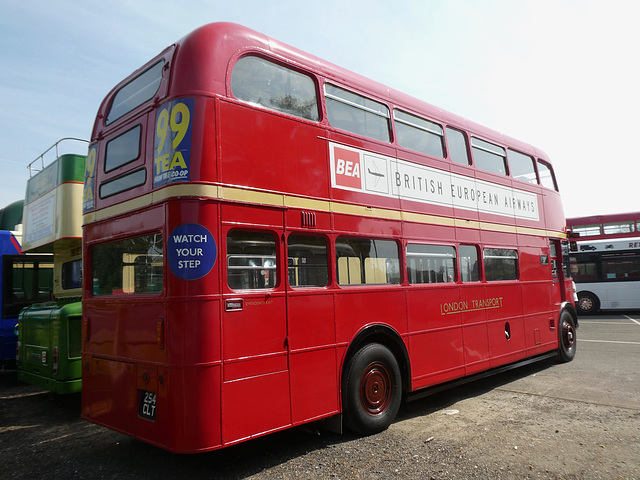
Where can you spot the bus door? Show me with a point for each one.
(558, 294)
(255, 389)
(311, 326)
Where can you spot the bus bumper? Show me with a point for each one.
(59, 387)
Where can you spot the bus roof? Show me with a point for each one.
(8, 243)
(230, 41)
(597, 219)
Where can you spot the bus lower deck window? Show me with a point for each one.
(251, 260)
(367, 261)
(430, 263)
(129, 266)
(307, 261)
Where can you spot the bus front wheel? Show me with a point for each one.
(588, 303)
(567, 337)
(372, 390)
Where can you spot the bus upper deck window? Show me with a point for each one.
(457, 147)
(419, 134)
(261, 82)
(357, 114)
(135, 93)
(547, 178)
(123, 149)
(489, 157)
(521, 167)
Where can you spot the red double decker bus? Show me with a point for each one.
(271, 240)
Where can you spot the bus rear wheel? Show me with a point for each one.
(372, 390)
(588, 303)
(568, 340)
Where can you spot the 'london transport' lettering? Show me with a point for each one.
(449, 308)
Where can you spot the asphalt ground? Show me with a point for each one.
(579, 420)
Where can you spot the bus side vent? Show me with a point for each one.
(308, 219)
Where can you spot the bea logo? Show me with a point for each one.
(347, 168)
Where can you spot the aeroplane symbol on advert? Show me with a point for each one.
(376, 176)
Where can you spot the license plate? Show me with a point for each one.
(147, 406)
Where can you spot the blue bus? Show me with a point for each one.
(24, 279)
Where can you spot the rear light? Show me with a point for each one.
(55, 360)
(160, 333)
(86, 326)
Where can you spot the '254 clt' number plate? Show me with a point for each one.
(147, 405)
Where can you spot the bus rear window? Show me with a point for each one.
(135, 93)
(123, 149)
(126, 267)
(72, 274)
(123, 183)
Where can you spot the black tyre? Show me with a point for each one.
(372, 390)
(588, 303)
(567, 337)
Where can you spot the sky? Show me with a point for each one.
(562, 75)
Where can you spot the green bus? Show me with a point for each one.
(49, 333)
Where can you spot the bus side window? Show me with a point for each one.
(489, 157)
(430, 263)
(25, 281)
(261, 82)
(521, 167)
(251, 260)
(547, 178)
(469, 271)
(584, 269)
(357, 114)
(500, 264)
(553, 253)
(307, 261)
(419, 134)
(457, 147)
(621, 267)
(367, 261)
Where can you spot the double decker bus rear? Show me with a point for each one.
(271, 240)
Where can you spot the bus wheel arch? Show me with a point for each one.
(588, 303)
(567, 339)
(375, 374)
